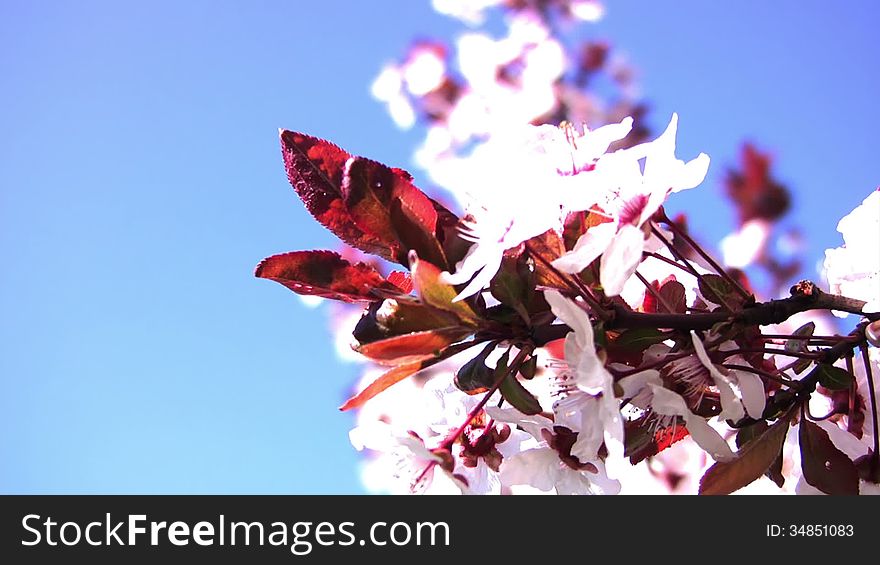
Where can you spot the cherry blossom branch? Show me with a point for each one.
(806, 296)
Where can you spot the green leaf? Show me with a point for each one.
(392, 317)
(752, 461)
(514, 283)
(529, 368)
(639, 339)
(474, 376)
(516, 394)
(824, 466)
(831, 377)
(801, 365)
(716, 289)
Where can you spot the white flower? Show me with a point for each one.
(854, 269)
(634, 195)
(598, 407)
(542, 466)
(536, 175)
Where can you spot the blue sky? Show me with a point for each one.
(141, 182)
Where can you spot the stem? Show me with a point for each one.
(771, 351)
(681, 258)
(764, 374)
(653, 292)
(576, 284)
(875, 463)
(666, 260)
(805, 296)
(834, 338)
(706, 257)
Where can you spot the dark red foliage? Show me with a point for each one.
(325, 274)
(753, 190)
(369, 206)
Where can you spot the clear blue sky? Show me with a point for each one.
(141, 182)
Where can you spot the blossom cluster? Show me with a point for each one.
(563, 334)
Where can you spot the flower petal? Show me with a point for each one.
(668, 403)
(588, 247)
(731, 406)
(621, 259)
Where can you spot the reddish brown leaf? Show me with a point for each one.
(325, 274)
(389, 378)
(383, 201)
(396, 375)
(315, 169)
(751, 462)
(549, 246)
(824, 466)
(401, 280)
(411, 347)
(434, 292)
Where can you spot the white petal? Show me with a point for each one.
(633, 384)
(588, 247)
(482, 279)
(668, 403)
(621, 259)
(692, 174)
(752, 389)
(731, 406)
(536, 467)
(572, 315)
(596, 142)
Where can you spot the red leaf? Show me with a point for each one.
(401, 280)
(415, 346)
(548, 245)
(392, 377)
(368, 205)
(315, 169)
(325, 274)
(397, 374)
